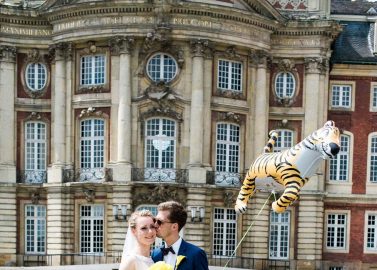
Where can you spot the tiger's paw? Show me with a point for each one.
(278, 209)
(240, 207)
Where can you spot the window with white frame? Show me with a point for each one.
(371, 232)
(35, 229)
(92, 143)
(229, 76)
(92, 69)
(285, 85)
(227, 147)
(224, 231)
(91, 228)
(162, 67)
(279, 235)
(341, 96)
(35, 151)
(339, 166)
(373, 159)
(336, 237)
(284, 141)
(374, 97)
(36, 76)
(160, 145)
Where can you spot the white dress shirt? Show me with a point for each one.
(171, 258)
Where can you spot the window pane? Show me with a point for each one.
(92, 143)
(227, 148)
(224, 231)
(93, 70)
(285, 84)
(91, 228)
(36, 76)
(339, 165)
(229, 76)
(341, 96)
(336, 231)
(279, 235)
(35, 229)
(162, 67)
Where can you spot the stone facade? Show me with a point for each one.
(127, 34)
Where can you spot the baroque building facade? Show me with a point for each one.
(112, 106)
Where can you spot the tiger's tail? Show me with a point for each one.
(272, 138)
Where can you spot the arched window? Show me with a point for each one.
(162, 67)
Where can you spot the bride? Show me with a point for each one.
(140, 236)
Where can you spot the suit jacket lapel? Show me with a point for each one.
(182, 251)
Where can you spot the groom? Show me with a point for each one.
(170, 219)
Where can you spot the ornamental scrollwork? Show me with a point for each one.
(121, 44)
(286, 65)
(259, 58)
(90, 112)
(89, 194)
(158, 194)
(229, 117)
(8, 53)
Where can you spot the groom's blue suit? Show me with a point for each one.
(196, 258)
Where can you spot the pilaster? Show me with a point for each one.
(8, 225)
(7, 114)
(260, 129)
(58, 104)
(123, 47)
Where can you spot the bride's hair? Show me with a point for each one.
(136, 214)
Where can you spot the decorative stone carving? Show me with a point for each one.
(199, 47)
(229, 94)
(89, 194)
(161, 93)
(34, 116)
(286, 65)
(312, 65)
(8, 53)
(229, 198)
(231, 53)
(61, 51)
(229, 116)
(91, 112)
(259, 58)
(121, 45)
(157, 194)
(35, 197)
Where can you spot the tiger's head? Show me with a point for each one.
(326, 140)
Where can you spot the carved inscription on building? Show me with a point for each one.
(21, 31)
(297, 42)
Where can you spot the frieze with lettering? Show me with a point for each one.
(22, 31)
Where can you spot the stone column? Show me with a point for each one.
(311, 93)
(260, 130)
(58, 109)
(311, 97)
(7, 114)
(207, 95)
(69, 152)
(122, 172)
(196, 171)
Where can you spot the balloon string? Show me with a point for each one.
(248, 229)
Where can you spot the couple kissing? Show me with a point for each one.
(175, 254)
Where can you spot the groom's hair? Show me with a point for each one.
(177, 213)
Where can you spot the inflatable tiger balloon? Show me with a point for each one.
(290, 168)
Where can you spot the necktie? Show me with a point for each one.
(166, 251)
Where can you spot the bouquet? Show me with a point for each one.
(164, 266)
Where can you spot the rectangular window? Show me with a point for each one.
(374, 97)
(35, 152)
(91, 228)
(371, 232)
(279, 235)
(224, 231)
(341, 96)
(229, 76)
(336, 231)
(284, 141)
(93, 70)
(92, 142)
(335, 268)
(339, 165)
(373, 160)
(35, 229)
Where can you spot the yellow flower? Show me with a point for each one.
(180, 258)
(160, 266)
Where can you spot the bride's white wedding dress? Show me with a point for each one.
(142, 262)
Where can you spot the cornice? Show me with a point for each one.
(310, 28)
